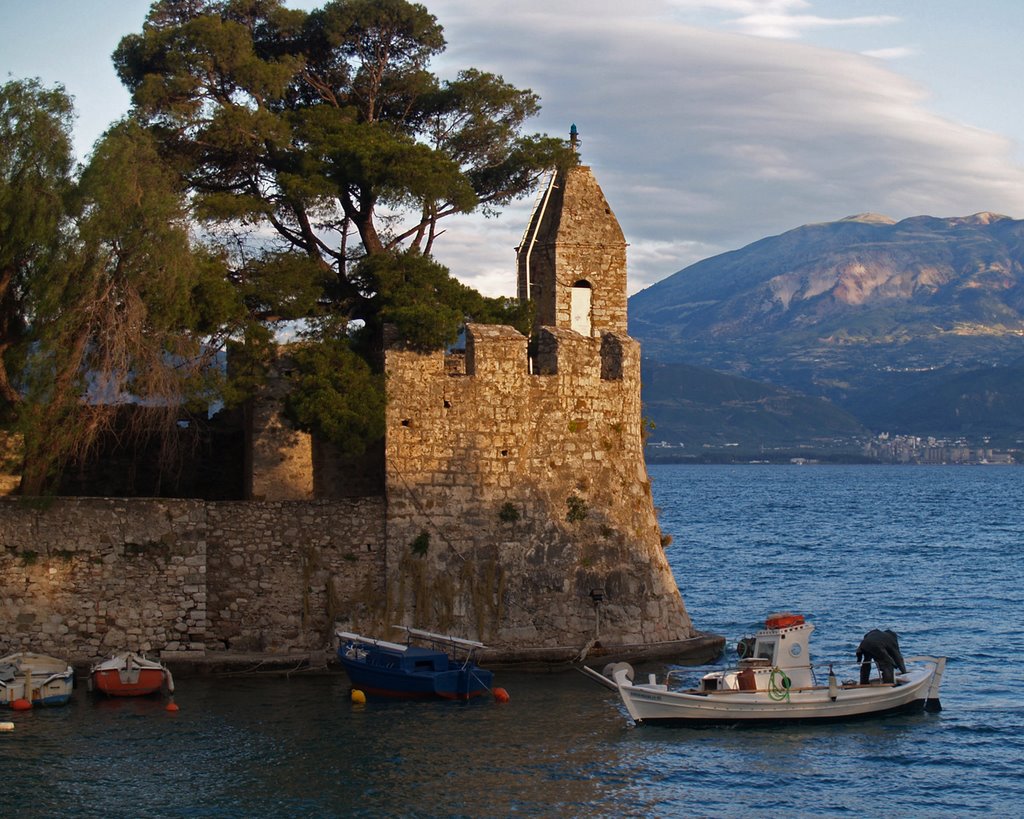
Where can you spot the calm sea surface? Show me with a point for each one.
(934, 553)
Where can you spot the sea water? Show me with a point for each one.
(931, 552)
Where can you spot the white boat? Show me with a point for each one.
(776, 683)
(35, 678)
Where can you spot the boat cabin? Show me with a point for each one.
(782, 645)
(412, 659)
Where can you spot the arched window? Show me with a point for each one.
(579, 308)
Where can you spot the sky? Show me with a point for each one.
(709, 124)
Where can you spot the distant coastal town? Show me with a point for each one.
(914, 449)
(884, 448)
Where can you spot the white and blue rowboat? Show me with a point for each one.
(776, 684)
(35, 678)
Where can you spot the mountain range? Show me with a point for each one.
(913, 327)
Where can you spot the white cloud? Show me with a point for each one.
(742, 6)
(703, 140)
(793, 26)
(895, 53)
(708, 139)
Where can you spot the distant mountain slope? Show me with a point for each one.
(855, 310)
(985, 402)
(694, 406)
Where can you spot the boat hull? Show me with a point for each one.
(112, 683)
(656, 705)
(457, 684)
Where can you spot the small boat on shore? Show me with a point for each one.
(130, 675)
(37, 679)
(775, 683)
(385, 669)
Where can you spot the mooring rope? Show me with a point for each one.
(778, 685)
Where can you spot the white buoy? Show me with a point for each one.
(6, 726)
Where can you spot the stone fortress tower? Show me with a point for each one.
(519, 508)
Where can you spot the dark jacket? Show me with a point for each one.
(884, 648)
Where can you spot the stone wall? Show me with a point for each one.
(280, 574)
(11, 448)
(84, 577)
(279, 456)
(514, 499)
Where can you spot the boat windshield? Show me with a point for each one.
(765, 650)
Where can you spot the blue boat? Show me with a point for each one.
(383, 669)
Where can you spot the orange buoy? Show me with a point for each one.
(172, 706)
(21, 704)
(501, 695)
(358, 697)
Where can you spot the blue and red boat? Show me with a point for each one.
(384, 669)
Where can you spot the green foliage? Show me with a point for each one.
(336, 395)
(283, 285)
(420, 544)
(130, 311)
(578, 510)
(503, 310)
(326, 130)
(424, 304)
(314, 123)
(35, 178)
(508, 513)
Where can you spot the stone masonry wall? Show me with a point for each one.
(513, 496)
(280, 456)
(11, 446)
(280, 574)
(85, 577)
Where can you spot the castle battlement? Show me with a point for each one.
(493, 350)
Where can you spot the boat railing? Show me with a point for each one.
(847, 672)
(371, 641)
(444, 642)
(447, 639)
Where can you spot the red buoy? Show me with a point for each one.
(172, 706)
(21, 704)
(501, 695)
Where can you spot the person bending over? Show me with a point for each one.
(884, 648)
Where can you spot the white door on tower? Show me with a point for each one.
(580, 308)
